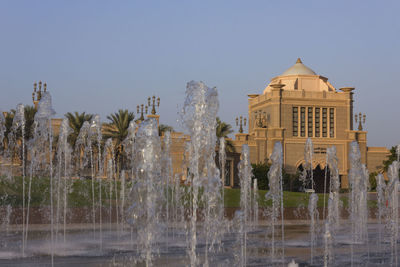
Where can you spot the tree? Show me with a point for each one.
(162, 128)
(291, 182)
(392, 157)
(29, 113)
(76, 121)
(260, 172)
(9, 117)
(29, 117)
(117, 130)
(223, 130)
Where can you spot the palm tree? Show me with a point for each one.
(162, 128)
(223, 130)
(9, 117)
(117, 129)
(76, 121)
(29, 116)
(29, 113)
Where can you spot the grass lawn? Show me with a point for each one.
(80, 194)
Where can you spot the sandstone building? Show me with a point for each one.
(300, 104)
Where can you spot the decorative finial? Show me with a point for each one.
(298, 60)
(260, 119)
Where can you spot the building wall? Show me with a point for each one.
(375, 157)
(276, 106)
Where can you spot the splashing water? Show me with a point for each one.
(314, 215)
(222, 163)
(358, 179)
(255, 203)
(331, 227)
(108, 160)
(333, 210)
(94, 135)
(308, 168)
(380, 190)
(18, 125)
(166, 163)
(63, 168)
(41, 154)
(275, 193)
(144, 198)
(129, 146)
(392, 192)
(199, 118)
(245, 175)
(328, 244)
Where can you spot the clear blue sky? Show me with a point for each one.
(99, 56)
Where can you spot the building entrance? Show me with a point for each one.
(319, 178)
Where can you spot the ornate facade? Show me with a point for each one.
(301, 104)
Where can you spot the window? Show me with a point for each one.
(324, 122)
(310, 122)
(303, 122)
(331, 122)
(317, 122)
(313, 122)
(295, 121)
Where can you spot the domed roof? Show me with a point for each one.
(299, 69)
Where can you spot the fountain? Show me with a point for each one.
(275, 193)
(245, 175)
(18, 125)
(63, 174)
(41, 147)
(199, 117)
(392, 193)
(143, 213)
(79, 205)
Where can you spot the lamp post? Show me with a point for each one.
(141, 112)
(153, 104)
(360, 118)
(241, 121)
(37, 92)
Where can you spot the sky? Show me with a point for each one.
(101, 56)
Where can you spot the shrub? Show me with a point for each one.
(291, 182)
(372, 181)
(260, 172)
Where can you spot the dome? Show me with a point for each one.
(298, 69)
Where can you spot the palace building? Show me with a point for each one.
(294, 106)
(300, 104)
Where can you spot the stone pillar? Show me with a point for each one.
(261, 144)
(349, 93)
(277, 100)
(157, 117)
(362, 143)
